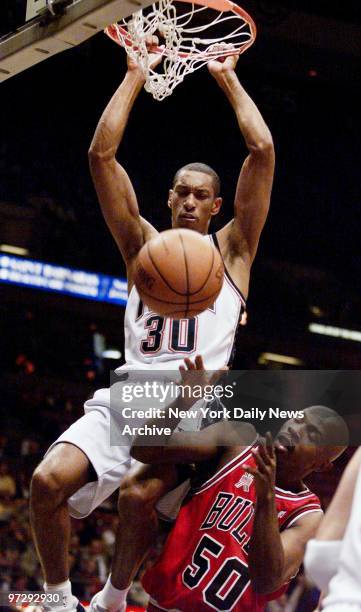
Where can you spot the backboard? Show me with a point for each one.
(33, 30)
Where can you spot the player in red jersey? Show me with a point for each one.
(240, 537)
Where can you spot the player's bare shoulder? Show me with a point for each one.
(233, 248)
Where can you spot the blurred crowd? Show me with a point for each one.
(92, 539)
(50, 342)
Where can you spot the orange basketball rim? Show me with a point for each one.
(209, 30)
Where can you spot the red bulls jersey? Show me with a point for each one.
(204, 562)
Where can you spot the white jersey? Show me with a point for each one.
(345, 587)
(156, 342)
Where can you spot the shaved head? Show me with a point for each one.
(199, 167)
(335, 434)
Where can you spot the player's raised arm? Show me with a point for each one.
(114, 188)
(254, 186)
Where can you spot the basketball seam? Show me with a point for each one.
(208, 297)
(188, 293)
(141, 290)
(159, 272)
(187, 273)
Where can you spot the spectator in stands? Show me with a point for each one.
(97, 554)
(7, 482)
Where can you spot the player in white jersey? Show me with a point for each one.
(155, 341)
(333, 558)
(345, 587)
(81, 469)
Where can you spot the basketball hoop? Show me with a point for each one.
(182, 32)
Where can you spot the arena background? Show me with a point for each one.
(303, 72)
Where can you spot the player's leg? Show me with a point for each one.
(139, 493)
(62, 472)
(138, 526)
(78, 473)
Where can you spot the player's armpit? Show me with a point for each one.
(239, 239)
(294, 540)
(148, 232)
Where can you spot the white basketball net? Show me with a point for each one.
(183, 45)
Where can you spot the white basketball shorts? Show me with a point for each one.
(91, 433)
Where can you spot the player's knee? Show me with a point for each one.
(134, 499)
(47, 487)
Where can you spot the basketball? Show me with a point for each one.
(179, 273)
